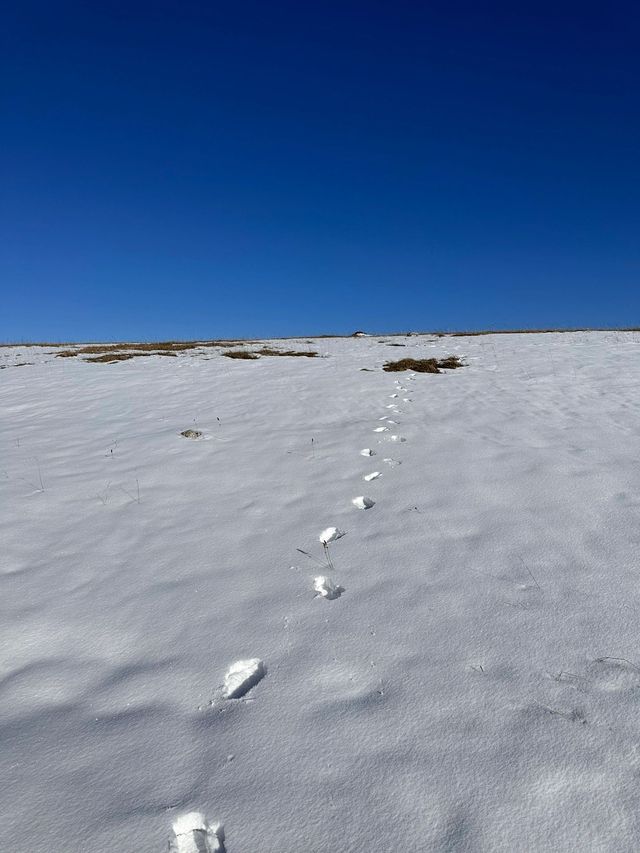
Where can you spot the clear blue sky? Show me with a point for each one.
(216, 169)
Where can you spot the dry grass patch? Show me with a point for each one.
(157, 348)
(191, 433)
(423, 365)
(268, 351)
(240, 353)
(111, 357)
(289, 352)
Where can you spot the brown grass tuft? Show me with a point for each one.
(240, 353)
(423, 365)
(111, 357)
(191, 433)
(290, 352)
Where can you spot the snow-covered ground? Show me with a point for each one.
(459, 671)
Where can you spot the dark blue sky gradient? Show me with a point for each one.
(206, 169)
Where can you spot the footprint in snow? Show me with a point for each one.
(326, 588)
(372, 476)
(614, 675)
(362, 502)
(330, 535)
(194, 834)
(367, 452)
(242, 676)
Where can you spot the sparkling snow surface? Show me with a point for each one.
(476, 689)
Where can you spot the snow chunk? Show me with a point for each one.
(194, 834)
(367, 452)
(325, 587)
(330, 535)
(242, 676)
(372, 476)
(381, 429)
(362, 502)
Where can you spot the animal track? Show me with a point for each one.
(194, 834)
(330, 535)
(372, 476)
(242, 676)
(326, 588)
(362, 502)
(614, 675)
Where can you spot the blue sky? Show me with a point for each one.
(207, 169)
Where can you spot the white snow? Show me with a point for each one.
(194, 834)
(330, 535)
(367, 451)
(242, 676)
(362, 502)
(327, 588)
(372, 476)
(476, 688)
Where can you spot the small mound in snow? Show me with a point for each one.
(242, 676)
(330, 535)
(367, 452)
(326, 588)
(194, 834)
(372, 476)
(362, 502)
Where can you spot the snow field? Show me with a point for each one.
(475, 689)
